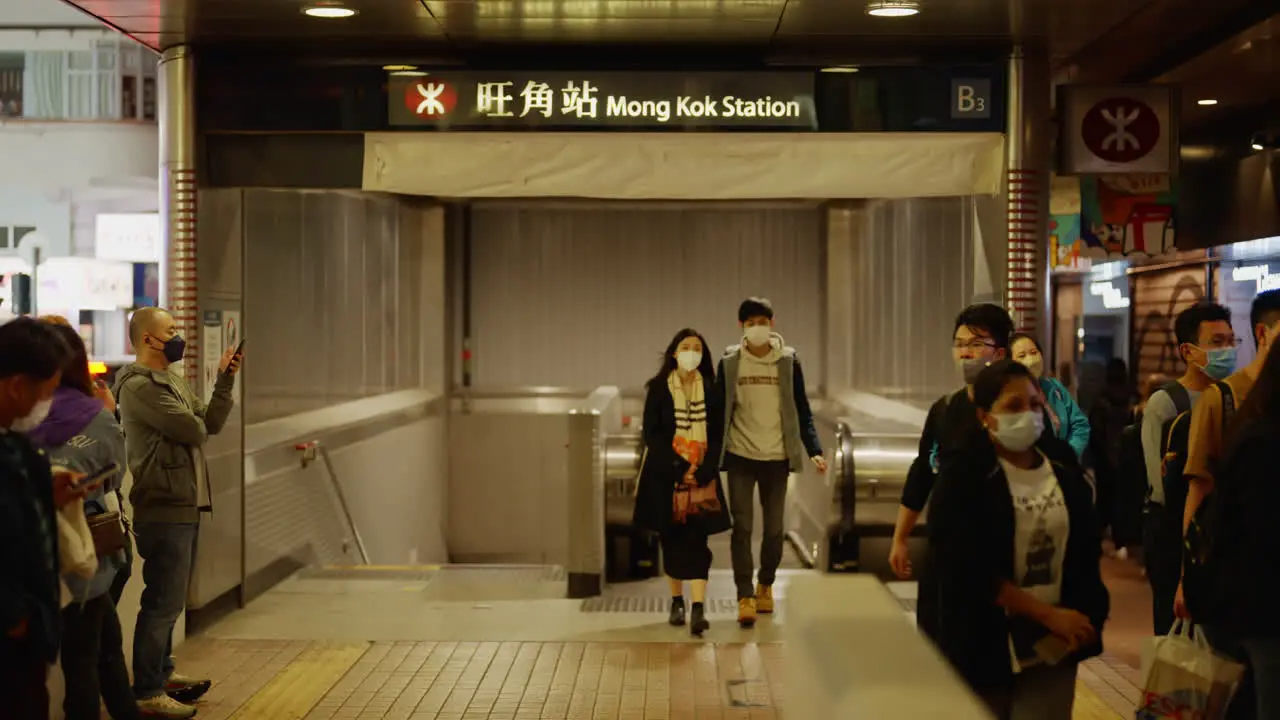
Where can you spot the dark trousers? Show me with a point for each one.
(1244, 704)
(24, 694)
(744, 477)
(122, 575)
(1162, 556)
(93, 662)
(169, 550)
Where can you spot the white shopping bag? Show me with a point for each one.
(1182, 677)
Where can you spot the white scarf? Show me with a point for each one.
(691, 418)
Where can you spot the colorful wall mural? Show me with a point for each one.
(1120, 216)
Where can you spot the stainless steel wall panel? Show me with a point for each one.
(578, 297)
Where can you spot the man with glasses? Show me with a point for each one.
(980, 337)
(1206, 343)
(1211, 415)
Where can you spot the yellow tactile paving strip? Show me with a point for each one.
(269, 680)
(292, 693)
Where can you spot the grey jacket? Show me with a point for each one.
(165, 426)
(801, 437)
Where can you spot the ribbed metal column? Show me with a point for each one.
(178, 277)
(1027, 180)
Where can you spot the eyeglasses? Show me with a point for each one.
(972, 344)
(1218, 342)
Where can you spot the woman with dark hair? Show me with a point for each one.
(682, 433)
(1065, 416)
(1237, 605)
(1015, 538)
(82, 435)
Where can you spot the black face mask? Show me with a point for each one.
(174, 349)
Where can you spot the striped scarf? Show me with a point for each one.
(691, 419)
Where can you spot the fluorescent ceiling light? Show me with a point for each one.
(1207, 101)
(893, 8)
(396, 68)
(329, 11)
(409, 73)
(840, 69)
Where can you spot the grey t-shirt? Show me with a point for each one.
(1160, 410)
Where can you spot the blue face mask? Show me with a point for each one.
(1221, 363)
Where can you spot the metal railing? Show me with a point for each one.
(307, 454)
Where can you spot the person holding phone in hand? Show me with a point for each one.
(32, 356)
(166, 426)
(81, 434)
(1015, 541)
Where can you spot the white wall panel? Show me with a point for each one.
(577, 297)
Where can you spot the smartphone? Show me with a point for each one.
(95, 481)
(240, 346)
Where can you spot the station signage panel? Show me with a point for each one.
(585, 100)
(1121, 130)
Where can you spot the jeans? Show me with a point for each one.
(169, 550)
(771, 477)
(93, 662)
(1162, 555)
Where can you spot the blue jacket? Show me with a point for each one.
(81, 436)
(1073, 425)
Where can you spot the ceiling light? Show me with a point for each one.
(1256, 145)
(409, 73)
(840, 69)
(893, 8)
(328, 11)
(395, 68)
(1207, 101)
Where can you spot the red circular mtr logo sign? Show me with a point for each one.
(427, 98)
(1120, 129)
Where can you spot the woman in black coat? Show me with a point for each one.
(683, 425)
(1015, 539)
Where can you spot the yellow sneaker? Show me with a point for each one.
(764, 599)
(747, 612)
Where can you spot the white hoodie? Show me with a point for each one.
(755, 428)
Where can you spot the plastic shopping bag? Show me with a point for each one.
(1183, 678)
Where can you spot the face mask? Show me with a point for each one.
(1034, 363)
(174, 349)
(757, 335)
(971, 368)
(1221, 363)
(688, 360)
(1018, 431)
(33, 419)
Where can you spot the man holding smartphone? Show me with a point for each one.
(166, 426)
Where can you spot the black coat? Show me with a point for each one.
(971, 541)
(664, 468)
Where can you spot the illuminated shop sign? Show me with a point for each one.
(1260, 275)
(615, 100)
(1113, 298)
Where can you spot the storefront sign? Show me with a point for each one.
(128, 237)
(1260, 275)
(1110, 130)
(615, 100)
(84, 284)
(1112, 296)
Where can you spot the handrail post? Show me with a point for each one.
(309, 452)
(842, 541)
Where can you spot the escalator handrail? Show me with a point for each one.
(846, 477)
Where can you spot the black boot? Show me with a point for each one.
(698, 622)
(677, 611)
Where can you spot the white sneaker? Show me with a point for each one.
(163, 706)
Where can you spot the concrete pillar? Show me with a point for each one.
(1027, 169)
(178, 280)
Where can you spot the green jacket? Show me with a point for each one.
(165, 428)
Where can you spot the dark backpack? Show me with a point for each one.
(1130, 486)
(1175, 437)
(1198, 573)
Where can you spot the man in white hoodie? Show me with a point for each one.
(768, 434)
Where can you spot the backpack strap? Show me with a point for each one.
(1178, 393)
(1228, 405)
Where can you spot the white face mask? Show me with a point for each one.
(1034, 363)
(688, 360)
(1018, 431)
(33, 419)
(757, 335)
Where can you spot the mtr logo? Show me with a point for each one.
(430, 98)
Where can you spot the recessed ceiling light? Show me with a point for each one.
(1207, 101)
(396, 68)
(328, 11)
(1256, 145)
(409, 73)
(840, 69)
(893, 8)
